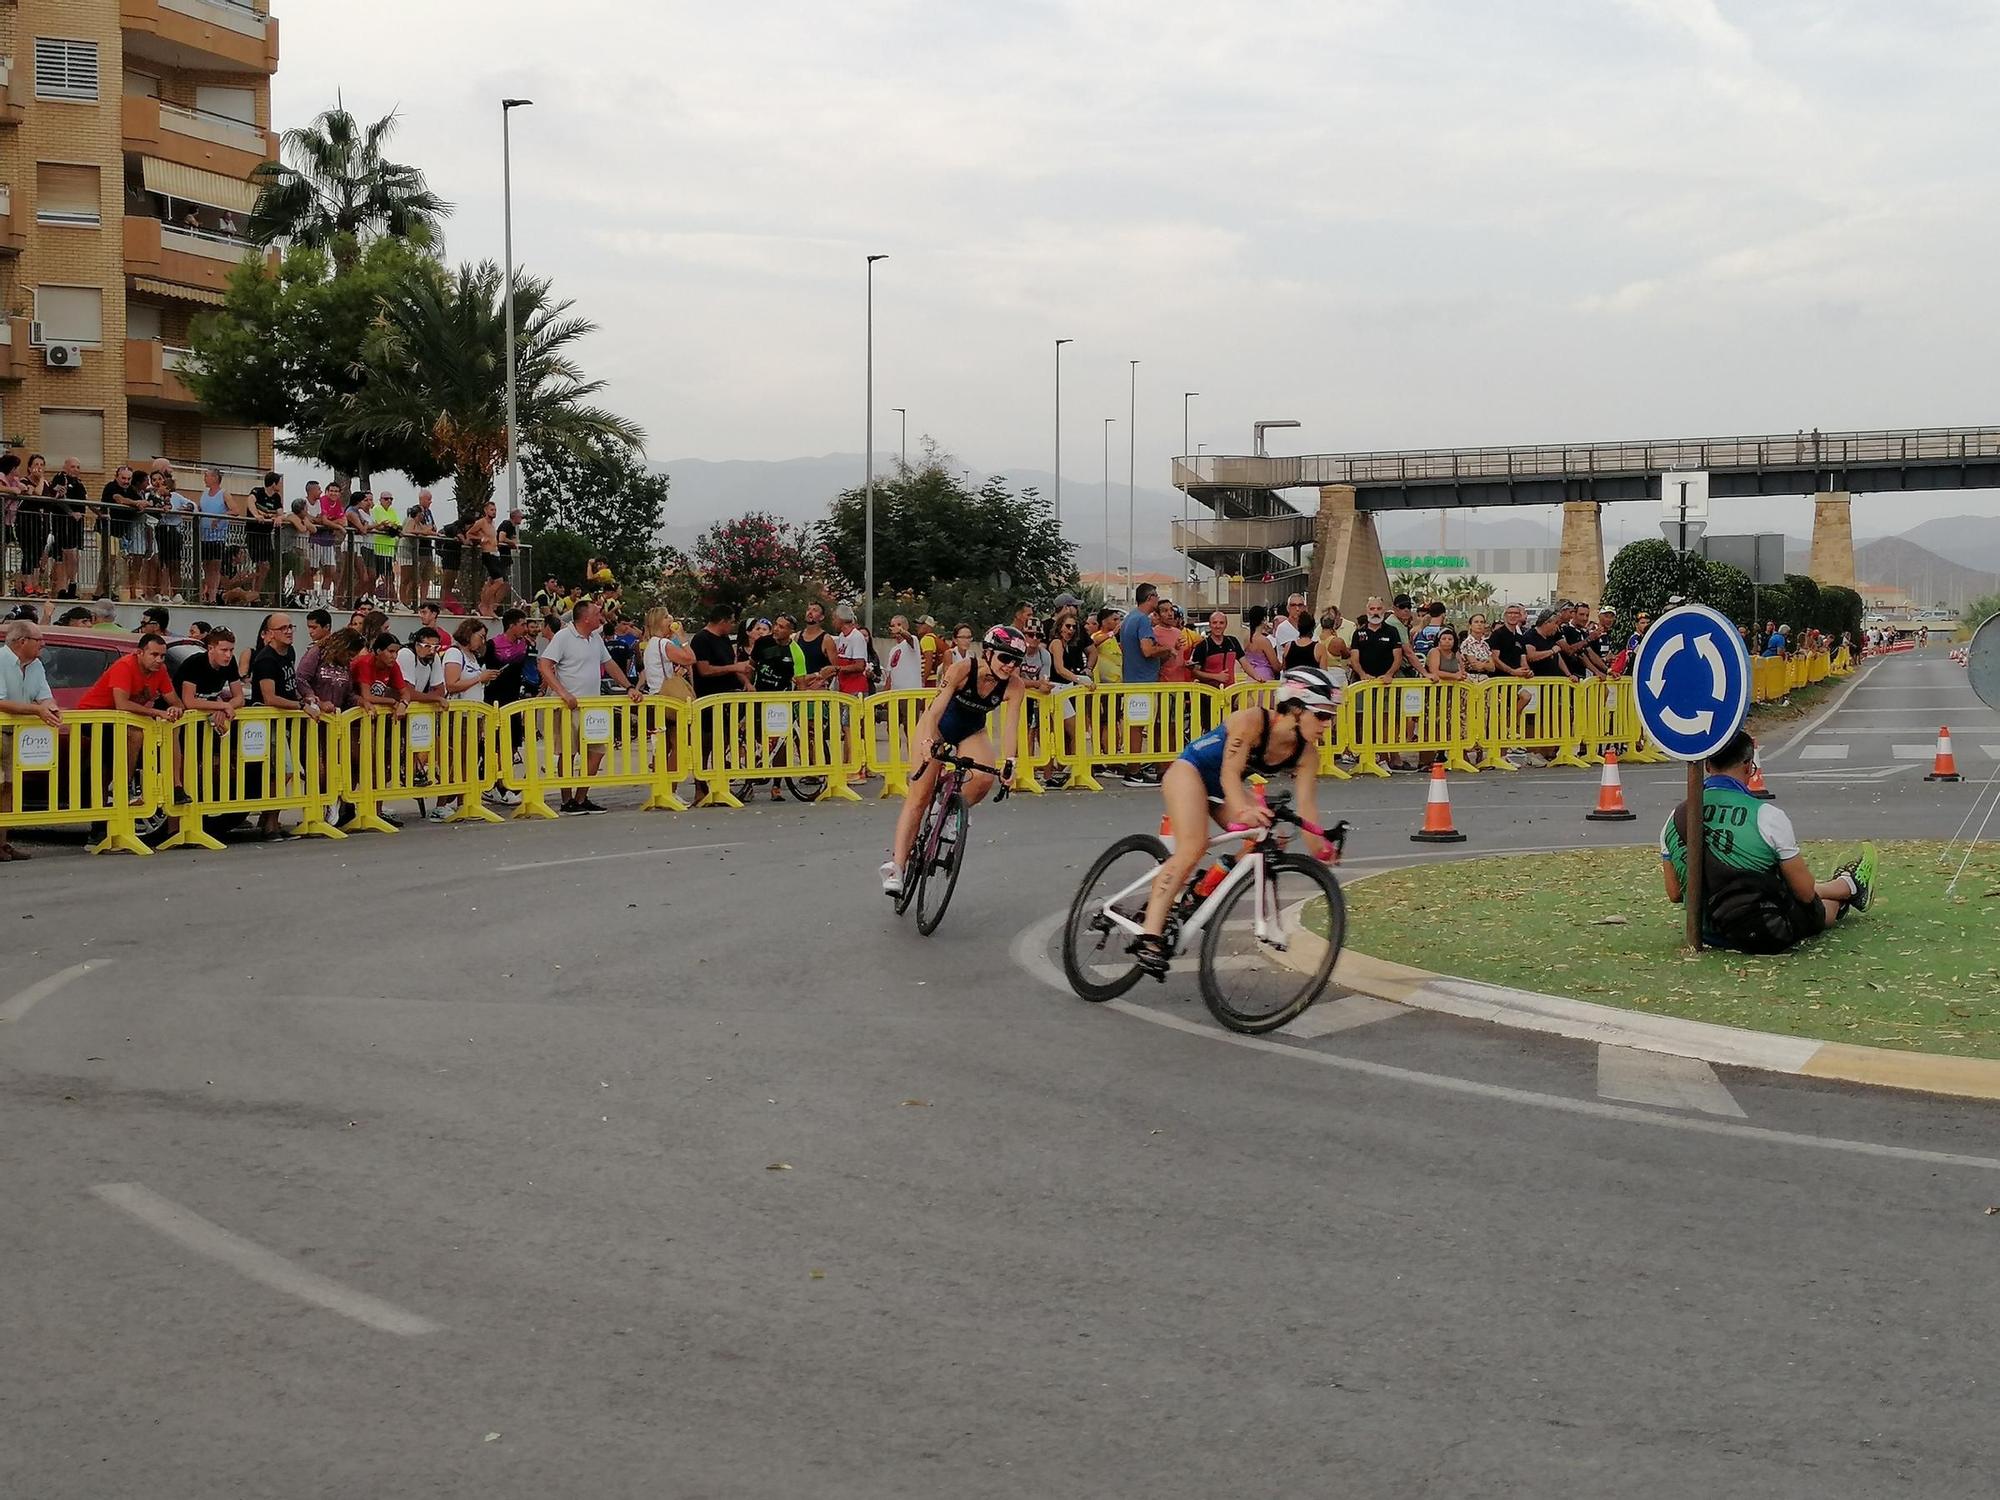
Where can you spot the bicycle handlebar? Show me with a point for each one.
(966, 763)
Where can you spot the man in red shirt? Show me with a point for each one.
(138, 684)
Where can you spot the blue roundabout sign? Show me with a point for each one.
(1692, 674)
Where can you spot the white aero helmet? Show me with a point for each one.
(1310, 688)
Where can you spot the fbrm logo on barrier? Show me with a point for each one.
(1692, 677)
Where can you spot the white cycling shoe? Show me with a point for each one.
(892, 879)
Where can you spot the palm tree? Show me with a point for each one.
(436, 362)
(334, 189)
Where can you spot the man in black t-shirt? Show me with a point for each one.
(716, 669)
(1216, 654)
(207, 681)
(1546, 652)
(772, 669)
(1510, 644)
(1376, 647)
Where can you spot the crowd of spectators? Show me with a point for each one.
(142, 538)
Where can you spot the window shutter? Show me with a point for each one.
(235, 446)
(66, 194)
(145, 439)
(65, 69)
(70, 314)
(74, 434)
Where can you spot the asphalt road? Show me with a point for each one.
(442, 1164)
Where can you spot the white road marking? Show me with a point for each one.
(195, 1233)
(1658, 1078)
(1823, 752)
(1913, 726)
(1029, 952)
(591, 859)
(1325, 1017)
(1993, 751)
(1914, 752)
(41, 989)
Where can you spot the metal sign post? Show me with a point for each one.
(1684, 507)
(1692, 680)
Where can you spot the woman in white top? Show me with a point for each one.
(465, 677)
(664, 655)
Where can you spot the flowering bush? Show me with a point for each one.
(753, 557)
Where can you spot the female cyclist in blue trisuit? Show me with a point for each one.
(1251, 741)
(967, 693)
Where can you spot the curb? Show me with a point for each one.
(1525, 1010)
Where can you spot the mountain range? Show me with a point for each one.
(1952, 560)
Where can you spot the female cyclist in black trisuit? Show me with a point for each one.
(967, 692)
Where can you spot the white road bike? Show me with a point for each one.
(1271, 921)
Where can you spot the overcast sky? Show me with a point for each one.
(1407, 223)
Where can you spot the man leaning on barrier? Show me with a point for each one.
(1758, 896)
(573, 666)
(24, 691)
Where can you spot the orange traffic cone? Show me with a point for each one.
(1437, 827)
(1755, 785)
(1944, 768)
(1611, 806)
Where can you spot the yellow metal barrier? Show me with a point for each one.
(1547, 715)
(1038, 740)
(763, 736)
(1841, 664)
(429, 751)
(1617, 726)
(642, 743)
(896, 715)
(1409, 716)
(1339, 739)
(1129, 723)
(1770, 679)
(267, 760)
(87, 771)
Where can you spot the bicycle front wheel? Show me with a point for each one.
(1094, 956)
(1256, 981)
(946, 854)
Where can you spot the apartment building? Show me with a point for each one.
(128, 133)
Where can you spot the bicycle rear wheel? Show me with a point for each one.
(1256, 983)
(1094, 956)
(945, 853)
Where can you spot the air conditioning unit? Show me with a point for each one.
(62, 356)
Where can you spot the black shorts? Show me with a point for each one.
(496, 567)
(170, 539)
(1775, 924)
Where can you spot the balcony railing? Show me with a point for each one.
(206, 125)
(247, 19)
(226, 247)
(173, 357)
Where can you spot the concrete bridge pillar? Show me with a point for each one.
(1347, 555)
(1580, 565)
(1833, 539)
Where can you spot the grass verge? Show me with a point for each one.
(1795, 705)
(1917, 971)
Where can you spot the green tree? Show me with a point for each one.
(332, 189)
(560, 554)
(436, 376)
(1979, 611)
(933, 531)
(1644, 575)
(284, 351)
(604, 493)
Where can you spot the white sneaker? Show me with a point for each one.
(892, 879)
(436, 815)
(1532, 759)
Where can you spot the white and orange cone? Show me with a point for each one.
(1944, 767)
(1755, 785)
(1437, 827)
(1611, 806)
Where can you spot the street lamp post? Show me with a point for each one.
(904, 448)
(507, 108)
(868, 448)
(1059, 344)
(1186, 396)
(1109, 571)
(1132, 490)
